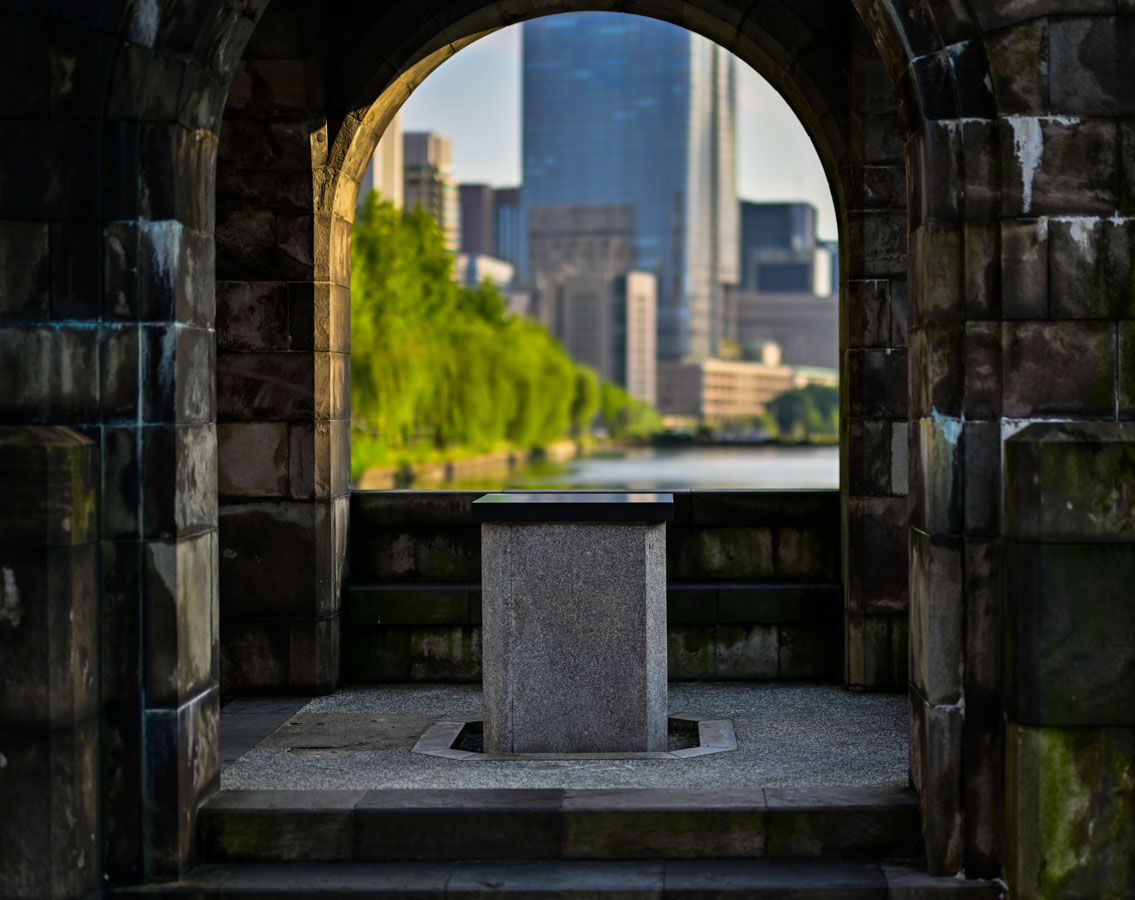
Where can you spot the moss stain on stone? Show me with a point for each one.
(1071, 819)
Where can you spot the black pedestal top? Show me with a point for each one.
(551, 507)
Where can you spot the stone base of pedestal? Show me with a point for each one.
(574, 637)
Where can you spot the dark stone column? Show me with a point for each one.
(873, 380)
(1070, 660)
(49, 706)
(283, 321)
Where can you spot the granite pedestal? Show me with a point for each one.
(574, 621)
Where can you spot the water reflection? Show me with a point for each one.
(655, 468)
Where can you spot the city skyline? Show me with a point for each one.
(474, 99)
(632, 111)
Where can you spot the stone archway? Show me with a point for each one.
(1018, 152)
(865, 166)
(292, 153)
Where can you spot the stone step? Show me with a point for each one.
(717, 631)
(785, 879)
(511, 825)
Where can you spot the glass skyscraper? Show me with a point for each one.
(624, 110)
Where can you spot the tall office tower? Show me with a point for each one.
(506, 224)
(476, 219)
(384, 174)
(575, 241)
(622, 110)
(588, 295)
(428, 181)
(490, 221)
(779, 250)
(832, 248)
(609, 324)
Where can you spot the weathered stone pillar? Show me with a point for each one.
(1069, 606)
(283, 398)
(873, 379)
(49, 662)
(574, 621)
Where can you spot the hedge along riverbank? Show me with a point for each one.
(441, 370)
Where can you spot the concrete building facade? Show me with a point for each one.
(805, 325)
(476, 203)
(428, 182)
(385, 172)
(721, 390)
(780, 252)
(177, 181)
(587, 293)
(610, 324)
(473, 268)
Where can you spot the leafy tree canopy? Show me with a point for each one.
(440, 365)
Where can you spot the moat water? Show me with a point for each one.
(666, 468)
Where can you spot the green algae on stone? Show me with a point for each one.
(727, 553)
(1070, 811)
(691, 652)
(49, 492)
(1127, 361)
(1071, 481)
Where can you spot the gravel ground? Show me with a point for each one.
(788, 735)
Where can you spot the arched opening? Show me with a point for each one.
(283, 308)
(837, 83)
(298, 489)
(996, 152)
(651, 161)
(711, 553)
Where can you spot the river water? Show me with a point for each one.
(667, 468)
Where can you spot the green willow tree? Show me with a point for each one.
(440, 367)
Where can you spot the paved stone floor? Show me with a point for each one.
(788, 735)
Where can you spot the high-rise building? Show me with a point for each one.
(490, 221)
(428, 181)
(384, 174)
(832, 247)
(507, 241)
(588, 295)
(780, 252)
(804, 324)
(575, 241)
(610, 324)
(476, 202)
(623, 110)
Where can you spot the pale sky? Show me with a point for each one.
(474, 99)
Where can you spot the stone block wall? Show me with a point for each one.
(49, 644)
(1016, 119)
(1069, 644)
(753, 587)
(1019, 230)
(283, 338)
(873, 376)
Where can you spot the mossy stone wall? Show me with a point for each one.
(1070, 660)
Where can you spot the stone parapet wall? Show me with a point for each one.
(753, 586)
